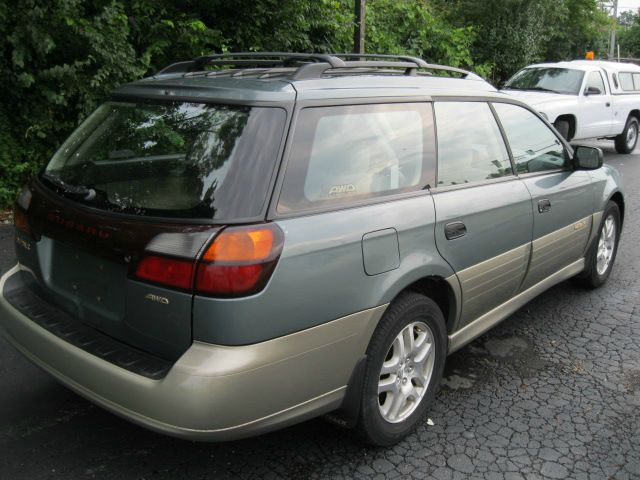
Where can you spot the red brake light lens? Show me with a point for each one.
(166, 271)
(240, 260)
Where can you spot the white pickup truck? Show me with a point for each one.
(584, 99)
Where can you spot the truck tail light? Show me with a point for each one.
(166, 271)
(239, 261)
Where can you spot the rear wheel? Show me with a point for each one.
(627, 140)
(405, 361)
(602, 253)
(562, 126)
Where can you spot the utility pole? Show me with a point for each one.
(358, 33)
(612, 43)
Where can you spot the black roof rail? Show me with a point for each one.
(248, 59)
(309, 65)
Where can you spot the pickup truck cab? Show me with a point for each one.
(584, 99)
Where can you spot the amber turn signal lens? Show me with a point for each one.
(241, 245)
(240, 261)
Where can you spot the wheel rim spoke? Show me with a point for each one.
(388, 384)
(606, 245)
(406, 372)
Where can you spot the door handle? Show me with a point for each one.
(544, 206)
(455, 230)
(608, 104)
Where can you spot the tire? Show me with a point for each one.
(627, 140)
(562, 126)
(596, 274)
(415, 316)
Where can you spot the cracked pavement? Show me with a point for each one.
(552, 392)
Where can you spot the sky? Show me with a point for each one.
(628, 5)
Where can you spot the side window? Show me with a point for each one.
(595, 85)
(345, 154)
(534, 146)
(626, 81)
(636, 81)
(470, 146)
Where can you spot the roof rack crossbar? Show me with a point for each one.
(364, 56)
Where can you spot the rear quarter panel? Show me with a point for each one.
(321, 276)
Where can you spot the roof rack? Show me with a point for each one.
(305, 66)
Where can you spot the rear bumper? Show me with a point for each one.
(212, 392)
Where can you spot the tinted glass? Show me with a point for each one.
(558, 80)
(594, 81)
(626, 81)
(172, 159)
(534, 146)
(349, 153)
(470, 146)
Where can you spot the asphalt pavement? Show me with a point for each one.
(552, 392)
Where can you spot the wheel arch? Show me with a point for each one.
(573, 123)
(634, 113)
(443, 292)
(619, 200)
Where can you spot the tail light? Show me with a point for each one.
(20, 220)
(239, 261)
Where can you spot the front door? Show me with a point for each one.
(596, 112)
(562, 203)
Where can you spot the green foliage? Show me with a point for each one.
(59, 59)
(581, 26)
(513, 33)
(412, 28)
(629, 36)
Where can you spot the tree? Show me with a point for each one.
(513, 33)
(629, 36)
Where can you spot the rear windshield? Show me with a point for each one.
(554, 80)
(176, 159)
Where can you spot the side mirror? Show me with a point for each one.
(592, 91)
(587, 158)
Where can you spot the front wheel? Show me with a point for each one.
(627, 140)
(405, 362)
(602, 254)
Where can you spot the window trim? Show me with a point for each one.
(272, 212)
(568, 151)
(438, 188)
(510, 101)
(624, 90)
(587, 81)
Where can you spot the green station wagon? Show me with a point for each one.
(245, 241)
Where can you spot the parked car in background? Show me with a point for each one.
(584, 99)
(216, 253)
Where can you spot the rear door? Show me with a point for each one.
(562, 202)
(483, 211)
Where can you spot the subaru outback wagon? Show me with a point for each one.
(245, 241)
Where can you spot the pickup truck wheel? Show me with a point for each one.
(405, 361)
(627, 140)
(602, 254)
(562, 126)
